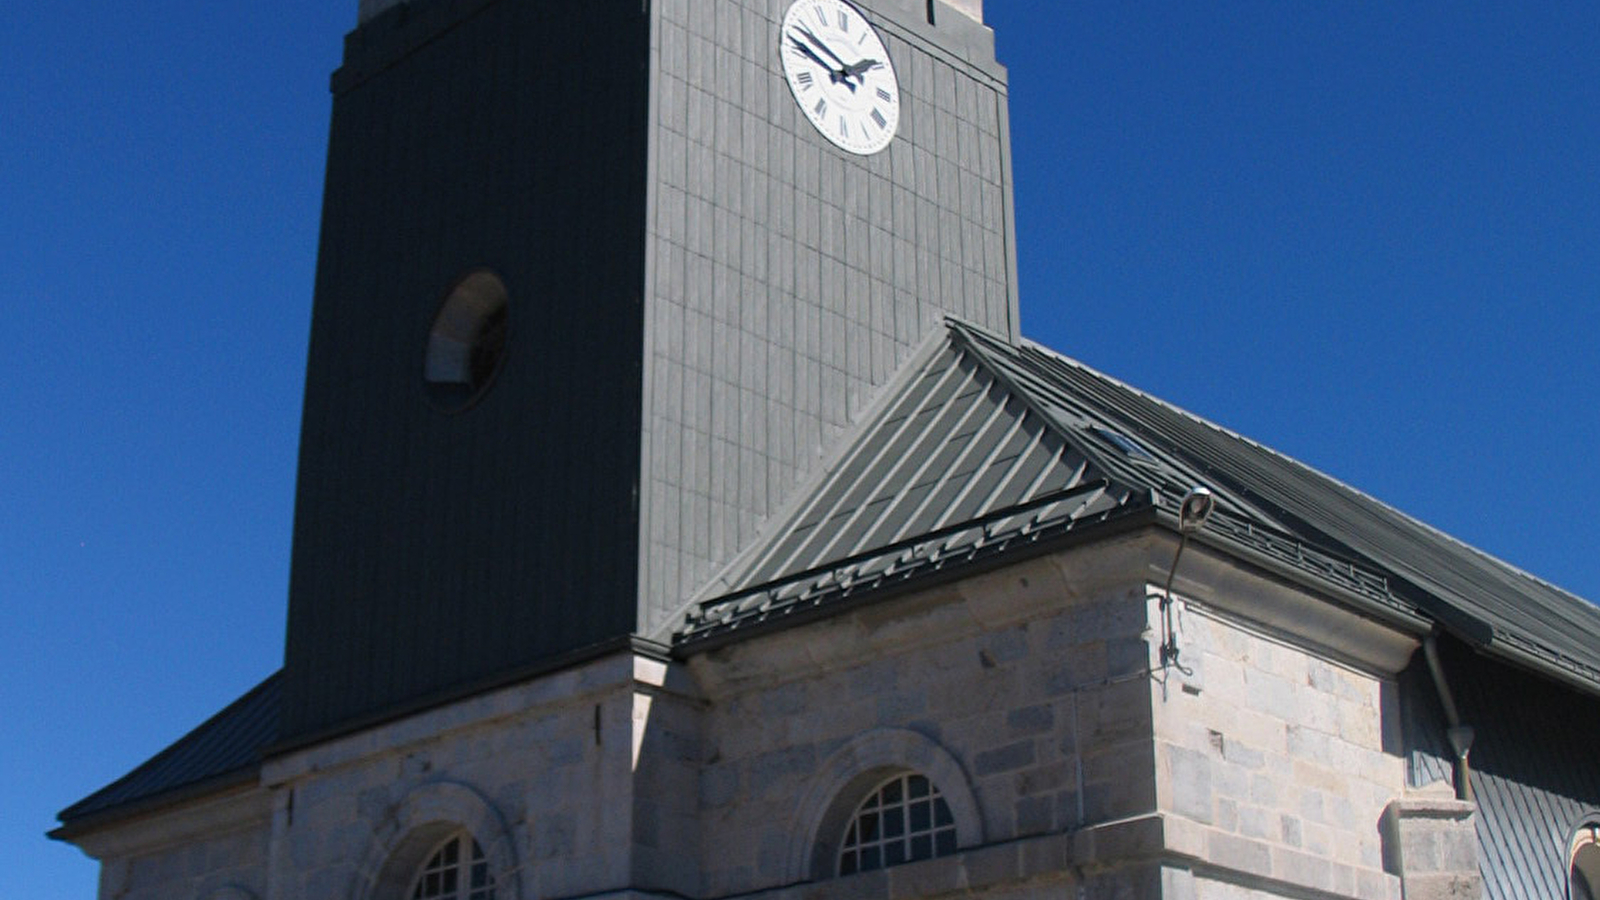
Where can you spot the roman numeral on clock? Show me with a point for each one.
(853, 105)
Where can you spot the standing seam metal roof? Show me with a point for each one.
(1487, 601)
(987, 424)
(228, 743)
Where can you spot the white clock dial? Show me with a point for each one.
(840, 74)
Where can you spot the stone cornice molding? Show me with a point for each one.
(241, 808)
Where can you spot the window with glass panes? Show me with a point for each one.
(455, 871)
(905, 819)
(1585, 873)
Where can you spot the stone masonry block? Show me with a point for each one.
(1115, 712)
(1035, 815)
(1431, 843)
(1118, 782)
(1302, 868)
(1189, 780)
(1004, 759)
(1044, 779)
(1031, 720)
(1239, 854)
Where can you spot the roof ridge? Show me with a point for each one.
(1332, 479)
(966, 332)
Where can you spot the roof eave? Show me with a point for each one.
(845, 599)
(74, 828)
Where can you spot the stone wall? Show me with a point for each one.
(1029, 689)
(1074, 763)
(210, 849)
(1260, 768)
(543, 775)
(1278, 759)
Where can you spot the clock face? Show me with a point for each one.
(840, 74)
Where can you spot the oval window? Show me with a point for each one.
(467, 343)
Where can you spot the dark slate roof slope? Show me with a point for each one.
(959, 465)
(224, 750)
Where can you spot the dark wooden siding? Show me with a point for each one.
(436, 551)
(1535, 770)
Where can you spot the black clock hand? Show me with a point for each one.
(840, 75)
(800, 45)
(806, 33)
(862, 67)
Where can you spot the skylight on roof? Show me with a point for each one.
(1130, 447)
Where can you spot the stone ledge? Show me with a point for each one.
(1431, 843)
(1431, 808)
(1162, 837)
(1061, 861)
(1013, 863)
(1114, 844)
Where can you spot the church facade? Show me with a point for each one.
(681, 514)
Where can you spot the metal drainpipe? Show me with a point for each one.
(1460, 735)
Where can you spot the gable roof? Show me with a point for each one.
(991, 447)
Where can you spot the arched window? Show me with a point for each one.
(903, 819)
(1585, 866)
(456, 870)
(888, 796)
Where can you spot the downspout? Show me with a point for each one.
(1460, 735)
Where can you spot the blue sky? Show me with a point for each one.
(1364, 234)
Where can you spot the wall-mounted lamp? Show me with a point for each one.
(1192, 515)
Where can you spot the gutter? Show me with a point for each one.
(1403, 617)
(74, 827)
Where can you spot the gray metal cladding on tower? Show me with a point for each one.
(595, 295)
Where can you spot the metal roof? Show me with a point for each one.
(986, 429)
(224, 749)
(953, 447)
(984, 451)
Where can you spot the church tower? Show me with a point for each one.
(599, 282)
(680, 516)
